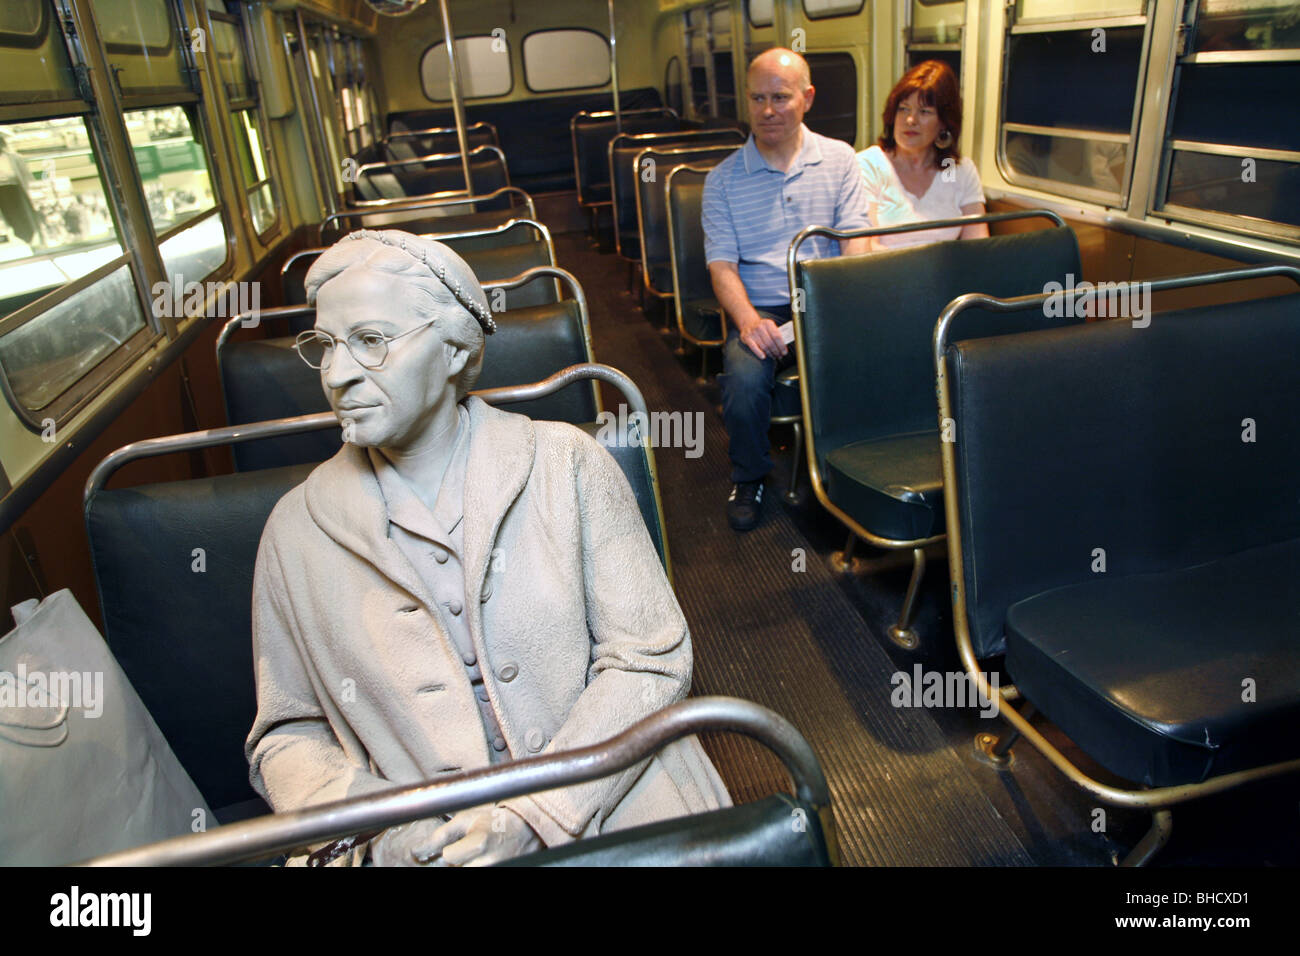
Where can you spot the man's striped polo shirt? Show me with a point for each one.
(752, 211)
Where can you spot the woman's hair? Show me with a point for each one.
(936, 86)
(455, 324)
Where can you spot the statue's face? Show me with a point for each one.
(390, 406)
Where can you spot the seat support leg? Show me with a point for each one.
(1162, 826)
(996, 750)
(902, 633)
(792, 492)
(842, 561)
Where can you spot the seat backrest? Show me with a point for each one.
(1164, 447)
(494, 265)
(615, 436)
(866, 338)
(487, 171)
(752, 834)
(459, 217)
(180, 629)
(625, 174)
(691, 280)
(591, 136)
(410, 147)
(652, 196)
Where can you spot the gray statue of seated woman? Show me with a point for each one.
(459, 586)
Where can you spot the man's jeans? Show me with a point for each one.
(747, 399)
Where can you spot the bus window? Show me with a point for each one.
(1232, 154)
(68, 296)
(240, 89)
(140, 38)
(823, 9)
(708, 49)
(1069, 102)
(173, 170)
(761, 13)
(482, 61)
(934, 32)
(565, 60)
(834, 112)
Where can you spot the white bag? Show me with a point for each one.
(84, 770)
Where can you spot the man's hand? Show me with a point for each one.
(479, 836)
(764, 339)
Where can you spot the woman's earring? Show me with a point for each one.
(944, 139)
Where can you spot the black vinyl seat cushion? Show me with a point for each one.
(1145, 672)
(892, 485)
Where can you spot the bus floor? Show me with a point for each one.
(770, 622)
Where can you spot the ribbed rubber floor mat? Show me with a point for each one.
(788, 639)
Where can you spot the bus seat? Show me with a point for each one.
(445, 173)
(408, 145)
(1125, 543)
(864, 343)
(699, 314)
(624, 176)
(182, 632)
(590, 134)
(652, 206)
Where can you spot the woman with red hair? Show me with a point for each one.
(916, 173)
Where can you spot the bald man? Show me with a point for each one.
(786, 177)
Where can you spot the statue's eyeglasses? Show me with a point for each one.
(368, 348)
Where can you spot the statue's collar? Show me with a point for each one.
(344, 499)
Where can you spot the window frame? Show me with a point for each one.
(523, 62)
(468, 36)
(1158, 204)
(1120, 199)
(237, 106)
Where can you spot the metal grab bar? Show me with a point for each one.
(839, 234)
(299, 828)
(230, 434)
(403, 205)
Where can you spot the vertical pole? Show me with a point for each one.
(613, 69)
(457, 105)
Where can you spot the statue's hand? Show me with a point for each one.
(482, 836)
(408, 845)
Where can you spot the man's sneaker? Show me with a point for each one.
(745, 506)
